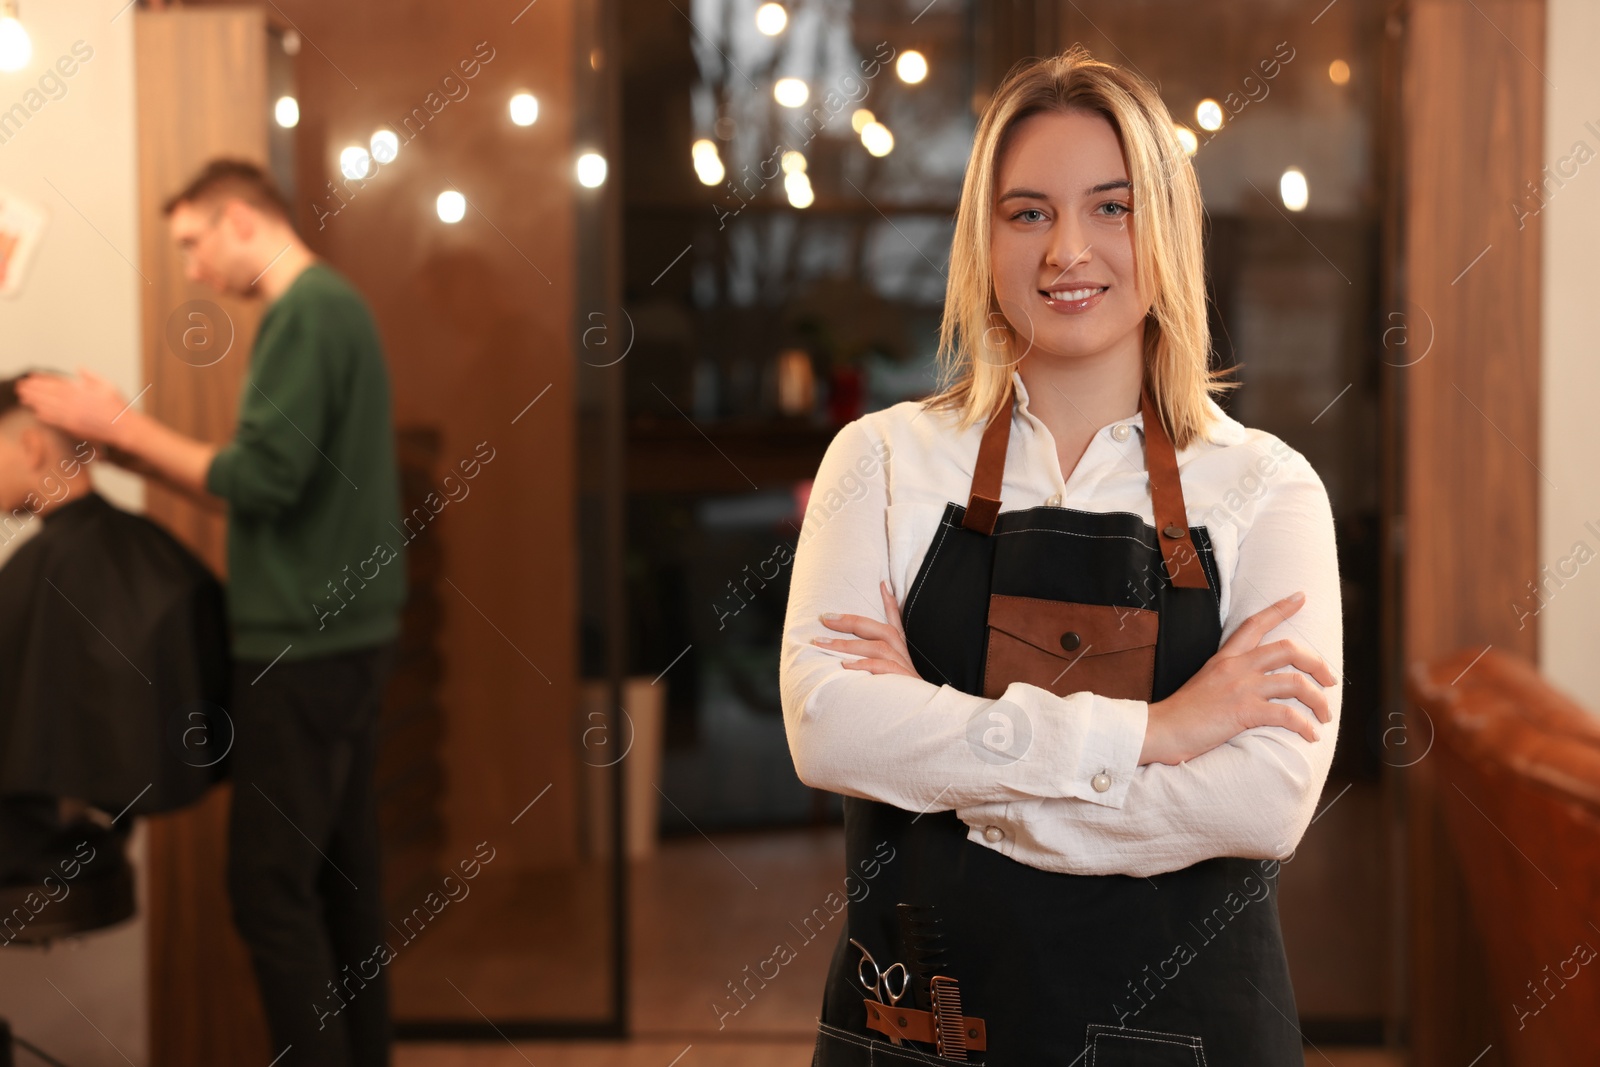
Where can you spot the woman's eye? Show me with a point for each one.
(1024, 215)
(1119, 208)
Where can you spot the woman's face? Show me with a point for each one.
(1061, 240)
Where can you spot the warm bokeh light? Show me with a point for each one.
(1293, 189)
(877, 138)
(793, 162)
(286, 112)
(860, 118)
(451, 206)
(385, 146)
(1339, 72)
(912, 66)
(798, 186)
(1208, 113)
(16, 48)
(1187, 138)
(791, 92)
(524, 109)
(771, 19)
(591, 170)
(355, 163)
(707, 163)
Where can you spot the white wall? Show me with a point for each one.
(84, 1002)
(1569, 512)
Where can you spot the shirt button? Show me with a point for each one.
(993, 833)
(1054, 501)
(1121, 431)
(1101, 782)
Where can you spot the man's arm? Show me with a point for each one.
(182, 463)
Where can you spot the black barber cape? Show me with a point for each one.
(113, 664)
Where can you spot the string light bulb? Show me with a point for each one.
(771, 19)
(1293, 190)
(16, 48)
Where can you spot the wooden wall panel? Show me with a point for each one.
(476, 320)
(202, 81)
(201, 93)
(1473, 107)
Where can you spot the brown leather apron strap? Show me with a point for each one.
(983, 506)
(1166, 499)
(1166, 491)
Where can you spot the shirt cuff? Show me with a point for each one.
(1111, 748)
(1106, 732)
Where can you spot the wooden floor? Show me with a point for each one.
(644, 1052)
(701, 912)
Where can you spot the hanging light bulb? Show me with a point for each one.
(791, 92)
(451, 206)
(524, 109)
(707, 162)
(15, 46)
(877, 138)
(798, 187)
(771, 19)
(286, 111)
(591, 170)
(355, 162)
(1293, 190)
(385, 145)
(912, 66)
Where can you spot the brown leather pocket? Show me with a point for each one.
(1067, 647)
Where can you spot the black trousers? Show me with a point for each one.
(303, 859)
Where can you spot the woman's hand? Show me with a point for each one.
(1233, 692)
(884, 648)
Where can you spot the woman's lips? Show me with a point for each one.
(1061, 302)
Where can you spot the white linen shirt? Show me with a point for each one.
(874, 510)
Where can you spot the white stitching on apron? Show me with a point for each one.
(1156, 1037)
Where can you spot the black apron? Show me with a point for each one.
(1185, 967)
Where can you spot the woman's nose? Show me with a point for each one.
(1067, 248)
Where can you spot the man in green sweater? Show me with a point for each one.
(316, 583)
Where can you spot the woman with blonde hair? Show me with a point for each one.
(1074, 760)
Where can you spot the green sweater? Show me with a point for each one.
(316, 563)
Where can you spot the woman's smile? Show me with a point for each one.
(1074, 300)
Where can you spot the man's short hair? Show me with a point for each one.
(236, 179)
(10, 403)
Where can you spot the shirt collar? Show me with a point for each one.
(1224, 429)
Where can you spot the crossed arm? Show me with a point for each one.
(861, 726)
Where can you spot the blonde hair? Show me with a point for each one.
(1168, 246)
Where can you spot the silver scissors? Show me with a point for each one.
(882, 983)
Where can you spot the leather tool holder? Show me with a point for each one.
(912, 1024)
(1067, 647)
